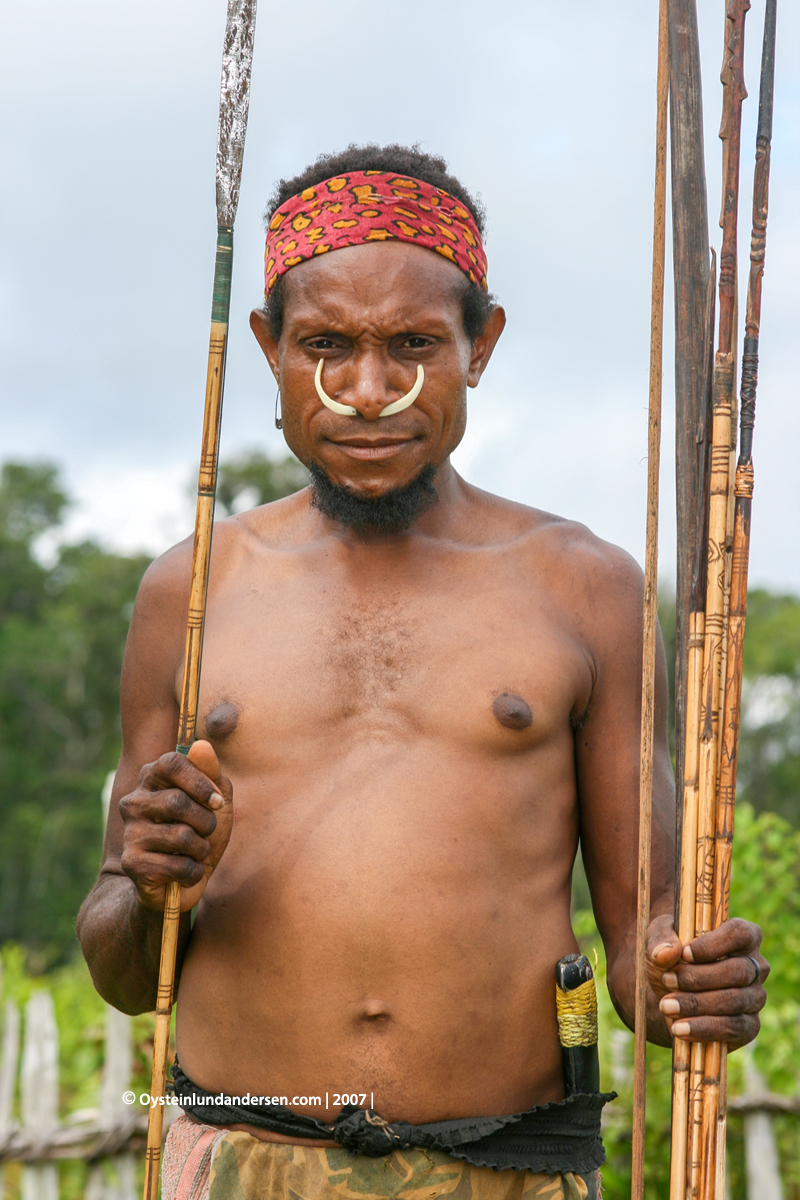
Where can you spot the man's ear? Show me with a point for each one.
(259, 323)
(484, 345)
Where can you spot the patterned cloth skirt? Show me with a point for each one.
(202, 1162)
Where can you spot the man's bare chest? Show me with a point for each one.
(308, 653)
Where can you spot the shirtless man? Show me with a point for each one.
(416, 698)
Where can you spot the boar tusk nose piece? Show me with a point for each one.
(344, 410)
(347, 410)
(406, 401)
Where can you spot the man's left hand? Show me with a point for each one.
(712, 989)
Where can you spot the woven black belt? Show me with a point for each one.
(552, 1138)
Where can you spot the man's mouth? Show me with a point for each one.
(372, 448)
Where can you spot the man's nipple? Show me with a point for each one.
(221, 721)
(512, 711)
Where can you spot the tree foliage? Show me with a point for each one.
(62, 633)
(256, 479)
(62, 630)
(769, 751)
(769, 741)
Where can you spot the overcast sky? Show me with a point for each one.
(546, 110)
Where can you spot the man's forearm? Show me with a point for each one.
(121, 942)
(621, 980)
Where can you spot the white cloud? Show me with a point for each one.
(108, 231)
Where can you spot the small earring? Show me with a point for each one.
(278, 420)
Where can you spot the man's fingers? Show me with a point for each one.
(735, 1031)
(171, 831)
(733, 937)
(168, 808)
(174, 839)
(732, 1002)
(173, 770)
(738, 972)
(150, 872)
(663, 944)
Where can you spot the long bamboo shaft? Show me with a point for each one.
(687, 876)
(716, 1053)
(705, 1072)
(187, 721)
(650, 605)
(688, 887)
(741, 541)
(712, 656)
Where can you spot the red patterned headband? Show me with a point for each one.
(372, 206)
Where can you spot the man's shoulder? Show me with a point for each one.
(273, 525)
(558, 542)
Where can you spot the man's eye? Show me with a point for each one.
(322, 344)
(416, 342)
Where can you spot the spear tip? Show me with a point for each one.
(234, 98)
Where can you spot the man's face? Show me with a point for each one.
(373, 314)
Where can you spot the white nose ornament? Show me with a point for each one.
(347, 410)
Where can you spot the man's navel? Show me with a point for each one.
(512, 711)
(374, 1012)
(221, 721)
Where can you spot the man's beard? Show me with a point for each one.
(391, 513)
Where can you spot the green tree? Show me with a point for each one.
(769, 736)
(62, 633)
(255, 478)
(769, 743)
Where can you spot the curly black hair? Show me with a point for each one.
(476, 303)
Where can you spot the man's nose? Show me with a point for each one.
(370, 387)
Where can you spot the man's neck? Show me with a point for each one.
(441, 521)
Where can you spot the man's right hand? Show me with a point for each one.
(177, 825)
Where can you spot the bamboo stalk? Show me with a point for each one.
(649, 613)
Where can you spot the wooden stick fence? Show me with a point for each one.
(757, 1106)
(110, 1138)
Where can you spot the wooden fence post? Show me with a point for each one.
(8, 1076)
(114, 1178)
(39, 1092)
(760, 1148)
